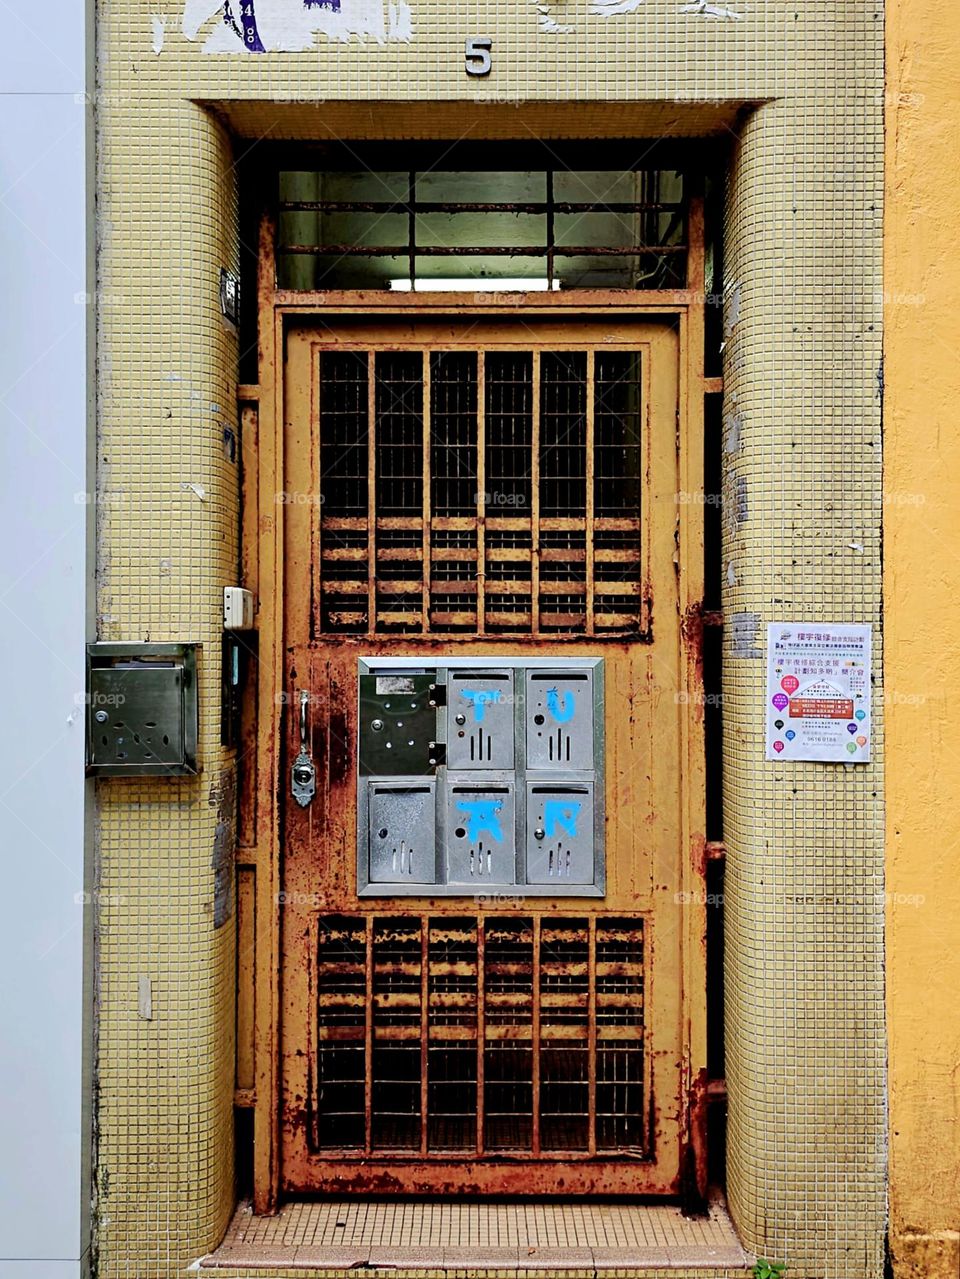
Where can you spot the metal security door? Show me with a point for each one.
(482, 495)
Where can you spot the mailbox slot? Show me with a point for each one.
(480, 833)
(397, 724)
(560, 833)
(559, 719)
(402, 832)
(480, 720)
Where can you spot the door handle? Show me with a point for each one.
(303, 774)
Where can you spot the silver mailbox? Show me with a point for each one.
(480, 719)
(142, 709)
(560, 833)
(402, 831)
(480, 830)
(559, 719)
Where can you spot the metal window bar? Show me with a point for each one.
(426, 451)
(515, 1035)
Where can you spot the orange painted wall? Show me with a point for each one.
(922, 633)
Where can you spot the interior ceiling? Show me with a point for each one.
(466, 119)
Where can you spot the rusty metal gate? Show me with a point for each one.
(447, 486)
(470, 938)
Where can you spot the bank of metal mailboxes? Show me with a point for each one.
(480, 777)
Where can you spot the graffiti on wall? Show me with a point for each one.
(268, 26)
(291, 26)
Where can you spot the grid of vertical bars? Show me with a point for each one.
(481, 492)
(480, 1035)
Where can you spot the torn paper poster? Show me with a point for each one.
(818, 692)
(549, 24)
(291, 26)
(400, 24)
(609, 7)
(711, 10)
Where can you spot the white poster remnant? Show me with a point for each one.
(291, 26)
(818, 692)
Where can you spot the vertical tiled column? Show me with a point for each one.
(804, 987)
(168, 497)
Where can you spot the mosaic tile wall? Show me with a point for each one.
(168, 543)
(804, 884)
(804, 987)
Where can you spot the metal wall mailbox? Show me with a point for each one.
(560, 833)
(403, 832)
(480, 777)
(142, 709)
(480, 833)
(559, 719)
(398, 718)
(480, 720)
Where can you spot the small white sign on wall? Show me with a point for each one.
(818, 692)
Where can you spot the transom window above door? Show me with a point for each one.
(540, 229)
(481, 491)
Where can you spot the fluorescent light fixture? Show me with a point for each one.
(485, 285)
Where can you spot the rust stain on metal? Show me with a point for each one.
(716, 850)
(691, 629)
(694, 1164)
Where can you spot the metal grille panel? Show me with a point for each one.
(481, 492)
(519, 1034)
(624, 229)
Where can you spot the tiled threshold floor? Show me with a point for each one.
(575, 1237)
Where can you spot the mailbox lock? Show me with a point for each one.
(377, 725)
(460, 719)
(539, 833)
(101, 717)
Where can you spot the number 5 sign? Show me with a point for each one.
(476, 57)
